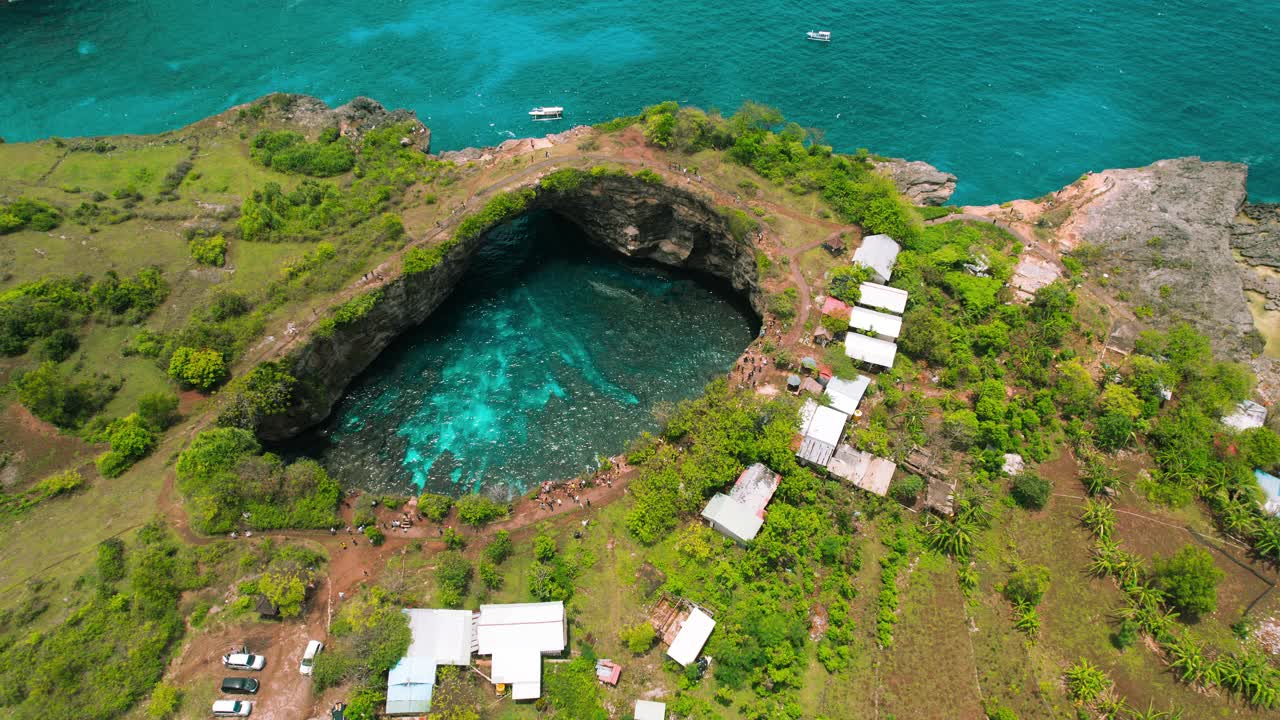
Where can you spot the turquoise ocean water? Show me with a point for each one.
(1016, 98)
(548, 354)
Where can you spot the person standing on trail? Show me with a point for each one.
(343, 546)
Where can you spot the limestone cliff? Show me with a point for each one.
(637, 219)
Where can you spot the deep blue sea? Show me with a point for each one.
(1016, 98)
(548, 354)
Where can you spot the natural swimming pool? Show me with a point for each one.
(550, 353)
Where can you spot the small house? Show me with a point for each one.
(882, 297)
(834, 244)
(693, 635)
(811, 386)
(740, 514)
(872, 351)
(883, 325)
(845, 395)
(835, 308)
(608, 672)
(517, 635)
(822, 336)
(880, 254)
(862, 469)
(793, 383)
(437, 637)
(649, 710)
(821, 428)
(1270, 485)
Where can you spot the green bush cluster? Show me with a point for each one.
(108, 653)
(349, 312)
(499, 209)
(223, 475)
(200, 369)
(58, 399)
(28, 214)
(62, 483)
(435, 507)
(288, 151)
(479, 510)
(38, 309)
(209, 249)
(845, 283)
(132, 439)
(368, 637)
(272, 215)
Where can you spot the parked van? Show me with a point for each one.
(309, 656)
(232, 708)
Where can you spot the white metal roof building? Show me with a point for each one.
(821, 427)
(649, 710)
(693, 635)
(740, 514)
(847, 394)
(870, 350)
(883, 297)
(517, 635)
(883, 324)
(880, 253)
(439, 637)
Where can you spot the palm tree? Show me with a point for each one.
(1086, 682)
(1188, 658)
(1099, 517)
(1152, 714)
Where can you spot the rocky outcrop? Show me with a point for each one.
(1165, 232)
(354, 119)
(919, 181)
(1256, 234)
(635, 218)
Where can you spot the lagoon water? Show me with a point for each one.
(549, 353)
(1016, 98)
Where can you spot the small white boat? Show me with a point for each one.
(547, 113)
(819, 35)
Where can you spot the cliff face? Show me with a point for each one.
(634, 218)
(919, 181)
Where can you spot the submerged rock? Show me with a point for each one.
(921, 182)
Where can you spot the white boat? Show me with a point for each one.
(819, 35)
(547, 113)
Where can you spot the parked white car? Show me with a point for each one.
(244, 661)
(309, 656)
(232, 708)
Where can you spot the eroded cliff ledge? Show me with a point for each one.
(637, 219)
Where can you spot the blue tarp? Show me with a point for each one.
(409, 686)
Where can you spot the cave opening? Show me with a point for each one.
(551, 352)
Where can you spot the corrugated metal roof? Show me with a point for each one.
(732, 518)
(822, 423)
(847, 394)
(536, 626)
(649, 710)
(880, 253)
(693, 635)
(409, 686)
(444, 635)
(882, 296)
(815, 451)
(870, 350)
(875, 321)
(1248, 415)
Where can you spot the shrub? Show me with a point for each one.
(158, 410)
(544, 548)
(454, 539)
(639, 637)
(110, 560)
(421, 259)
(26, 213)
(489, 575)
(846, 281)
(288, 151)
(200, 369)
(907, 489)
(478, 510)
(1027, 585)
(164, 701)
(499, 549)
(435, 507)
(54, 398)
(209, 250)
(58, 345)
(1190, 580)
(374, 535)
(1030, 490)
(453, 577)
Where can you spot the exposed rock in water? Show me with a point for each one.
(1165, 234)
(921, 182)
(641, 220)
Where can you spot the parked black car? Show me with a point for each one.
(239, 686)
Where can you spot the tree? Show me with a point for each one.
(478, 509)
(164, 701)
(54, 398)
(846, 281)
(200, 369)
(639, 637)
(1075, 389)
(499, 549)
(435, 507)
(1120, 400)
(1190, 580)
(286, 591)
(209, 250)
(453, 577)
(907, 489)
(58, 345)
(544, 548)
(1030, 490)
